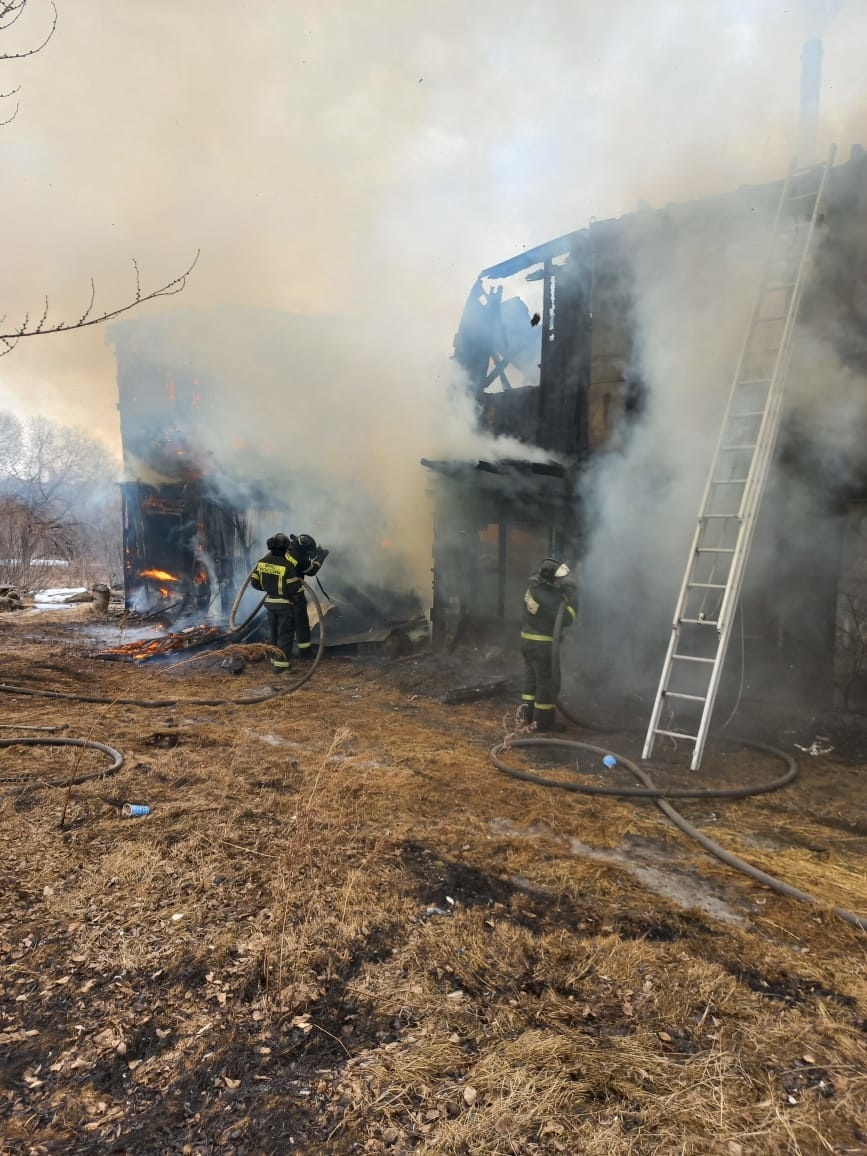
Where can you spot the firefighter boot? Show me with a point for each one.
(524, 714)
(547, 721)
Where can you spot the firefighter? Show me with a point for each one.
(279, 576)
(548, 589)
(309, 558)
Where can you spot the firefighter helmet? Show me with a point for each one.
(306, 542)
(277, 542)
(552, 569)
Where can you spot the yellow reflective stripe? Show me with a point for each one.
(537, 637)
(528, 697)
(269, 600)
(304, 645)
(571, 611)
(546, 706)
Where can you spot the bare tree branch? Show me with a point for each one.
(18, 9)
(13, 9)
(10, 11)
(11, 339)
(44, 317)
(83, 318)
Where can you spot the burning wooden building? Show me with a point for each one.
(555, 344)
(184, 543)
(216, 419)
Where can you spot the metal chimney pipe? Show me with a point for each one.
(811, 79)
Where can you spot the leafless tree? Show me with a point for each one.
(58, 500)
(30, 556)
(38, 324)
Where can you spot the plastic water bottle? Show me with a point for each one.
(134, 810)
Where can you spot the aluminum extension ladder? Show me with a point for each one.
(726, 520)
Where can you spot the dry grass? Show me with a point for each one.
(319, 940)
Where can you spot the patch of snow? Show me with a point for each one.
(57, 595)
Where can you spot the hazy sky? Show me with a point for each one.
(367, 156)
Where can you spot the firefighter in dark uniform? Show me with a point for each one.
(279, 576)
(308, 559)
(546, 592)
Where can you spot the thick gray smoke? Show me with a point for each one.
(306, 412)
(365, 161)
(694, 289)
(693, 300)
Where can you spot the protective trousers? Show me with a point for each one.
(281, 623)
(540, 688)
(302, 625)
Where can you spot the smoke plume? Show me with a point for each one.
(363, 162)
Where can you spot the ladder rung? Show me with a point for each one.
(707, 517)
(755, 381)
(689, 697)
(707, 586)
(768, 320)
(698, 621)
(800, 196)
(677, 735)
(693, 658)
(750, 414)
(730, 481)
(738, 449)
(714, 550)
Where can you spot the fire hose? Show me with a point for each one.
(116, 756)
(236, 604)
(163, 703)
(660, 795)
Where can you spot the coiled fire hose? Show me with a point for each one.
(116, 756)
(163, 703)
(660, 796)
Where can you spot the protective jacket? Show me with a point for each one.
(279, 577)
(542, 602)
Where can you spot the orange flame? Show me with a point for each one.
(144, 649)
(161, 575)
